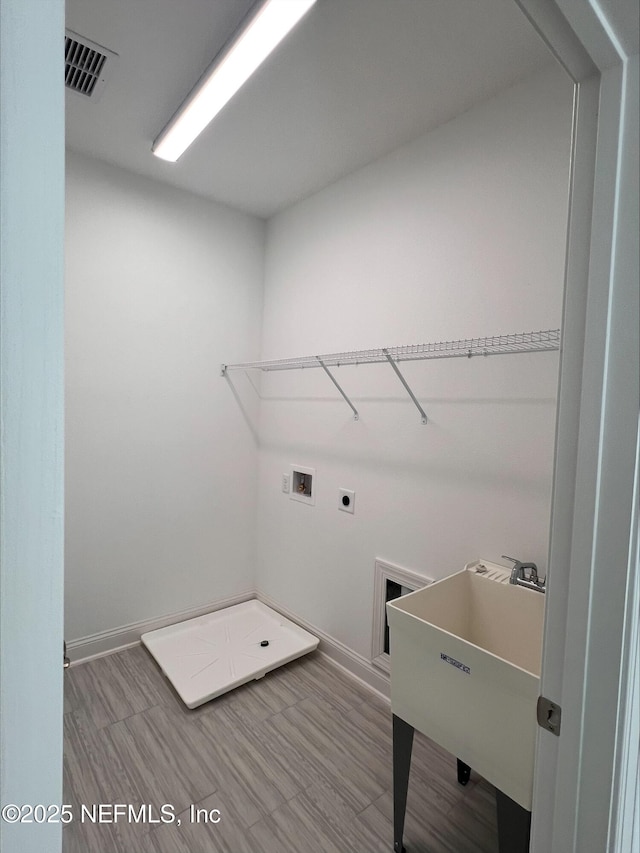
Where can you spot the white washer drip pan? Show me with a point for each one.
(209, 655)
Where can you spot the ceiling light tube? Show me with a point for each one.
(233, 67)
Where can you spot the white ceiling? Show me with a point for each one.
(353, 81)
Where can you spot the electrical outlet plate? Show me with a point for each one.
(346, 500)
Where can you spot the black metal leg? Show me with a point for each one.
(402, 745)
(464, 772)
(514, 825)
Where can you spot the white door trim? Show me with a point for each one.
(587, 625)
(625, 818)
(31, 416)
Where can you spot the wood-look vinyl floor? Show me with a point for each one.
(298, 762)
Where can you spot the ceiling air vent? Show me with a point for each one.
(85, 64)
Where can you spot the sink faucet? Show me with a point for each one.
(526, 574)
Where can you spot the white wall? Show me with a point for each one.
(161, 287)
(459, 234)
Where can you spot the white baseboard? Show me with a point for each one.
(117, 639)
(356, 665)
(108, 642)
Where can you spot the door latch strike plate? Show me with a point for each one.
(549, 715)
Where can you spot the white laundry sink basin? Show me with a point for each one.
(465, 670)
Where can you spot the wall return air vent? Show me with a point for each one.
(86, 65)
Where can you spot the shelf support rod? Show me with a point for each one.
(356, 416)
(404, 382)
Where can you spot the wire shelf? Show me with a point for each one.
(543, 341)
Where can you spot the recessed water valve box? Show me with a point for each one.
(303, 484)
(346, 500)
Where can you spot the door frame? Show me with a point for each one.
(591, 562)
(589, 628)
(31, 417)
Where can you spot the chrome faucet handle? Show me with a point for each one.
(516, 571)
(519, 576)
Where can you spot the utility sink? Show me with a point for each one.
(465, 670)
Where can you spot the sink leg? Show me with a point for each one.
(464, 772)
(402, 745)
(514, 825)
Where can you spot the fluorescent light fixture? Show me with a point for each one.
(264, 31)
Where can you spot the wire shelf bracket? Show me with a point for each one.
(519, 342)
(356, 416)
(406, 386)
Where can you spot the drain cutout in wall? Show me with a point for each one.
(303, 484)
(390, 582)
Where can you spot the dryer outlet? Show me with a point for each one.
(346, 500)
